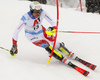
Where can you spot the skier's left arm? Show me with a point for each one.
(50, 20)
(51, 30)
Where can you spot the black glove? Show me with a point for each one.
(50, 29)
(14, 50)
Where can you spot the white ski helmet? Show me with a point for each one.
(35, 7)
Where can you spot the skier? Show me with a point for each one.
(35, 32)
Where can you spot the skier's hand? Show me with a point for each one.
(50, 31)
(14, 50)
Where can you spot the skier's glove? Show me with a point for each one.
(14, 50)
(50, 31)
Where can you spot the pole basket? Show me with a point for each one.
(81, 7)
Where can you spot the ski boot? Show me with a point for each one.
(63, 49)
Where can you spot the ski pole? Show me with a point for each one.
(8, 51)
(51, 33)
(5, 49)
(79, 32)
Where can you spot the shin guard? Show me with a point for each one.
(56, 54)
(64, 49)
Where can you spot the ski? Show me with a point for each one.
(89, 65)
(82, 71)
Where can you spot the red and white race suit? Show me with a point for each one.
(34, 30)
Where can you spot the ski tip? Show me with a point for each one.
(93, 67)
(86, 73)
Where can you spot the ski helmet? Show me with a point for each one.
(35, 7)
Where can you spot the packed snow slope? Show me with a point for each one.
(31, 61)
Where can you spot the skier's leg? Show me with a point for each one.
(58, 45)
(44, 42)
(57, 55)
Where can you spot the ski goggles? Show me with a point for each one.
(36, 11)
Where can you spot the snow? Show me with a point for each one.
(31, 61)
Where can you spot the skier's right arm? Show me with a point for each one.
(19, 27)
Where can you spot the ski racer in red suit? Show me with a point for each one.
(36, 33)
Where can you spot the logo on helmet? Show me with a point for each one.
(38, 7)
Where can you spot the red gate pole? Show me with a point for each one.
(55, 33)
(80, 5)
